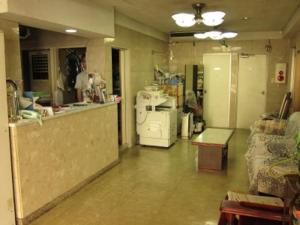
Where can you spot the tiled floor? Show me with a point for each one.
(155, 186)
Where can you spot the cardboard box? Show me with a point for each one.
(174, 90)
(164, 88)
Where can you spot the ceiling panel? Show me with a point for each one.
(264, 15)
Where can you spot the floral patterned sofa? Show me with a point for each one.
(272, 154)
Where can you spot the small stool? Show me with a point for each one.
(233, 213)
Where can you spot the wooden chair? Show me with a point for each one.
(242, 213)
(284, 108)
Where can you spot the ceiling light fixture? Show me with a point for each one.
(215, 35)
(229, 34)
(201, 35)
(184, 19)
(213, 18)
(70, 30)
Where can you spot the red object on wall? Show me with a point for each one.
(280, 73)
(280, 76)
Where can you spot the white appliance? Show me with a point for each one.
(156, 118)
(187, 126)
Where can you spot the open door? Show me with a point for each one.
(296, 101)
(119, 78)
(217, 70)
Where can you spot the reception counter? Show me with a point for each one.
(54, 159)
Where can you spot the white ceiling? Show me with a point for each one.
(264, 15)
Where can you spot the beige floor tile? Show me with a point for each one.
(155, 186)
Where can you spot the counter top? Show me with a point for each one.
(67, 111)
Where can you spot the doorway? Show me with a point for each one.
(296, 90)
(251, 96)
(69, 66)
(118, 85)
(217, 70)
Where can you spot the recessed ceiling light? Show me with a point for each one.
(70, 30)
(216, 68)
(245, 18)
(109, 40)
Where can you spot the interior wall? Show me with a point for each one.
(42, 39)
(192, 53)
(295, 41)
(98, 20)
(48, 39)
(12, 50)
(9, 65)
(142, 52)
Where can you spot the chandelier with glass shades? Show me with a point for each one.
(215, 35)
(210, 18)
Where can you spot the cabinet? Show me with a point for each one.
(194, 80)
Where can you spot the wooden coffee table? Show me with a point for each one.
(212, 148)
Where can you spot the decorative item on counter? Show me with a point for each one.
(34, 96)
(25, 103)
(99, 89)
(30, 114)
(12, 100)
(114, 98)
(45, 111)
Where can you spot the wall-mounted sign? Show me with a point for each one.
(280, 73)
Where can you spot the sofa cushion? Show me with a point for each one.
(281, 149)
(293, 124)
(275, 127)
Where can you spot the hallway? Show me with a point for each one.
(155, 186)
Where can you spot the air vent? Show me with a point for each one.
(39, 65)
(182, 34)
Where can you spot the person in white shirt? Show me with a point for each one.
(82, 81)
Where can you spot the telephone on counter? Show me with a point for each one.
(29, 114)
